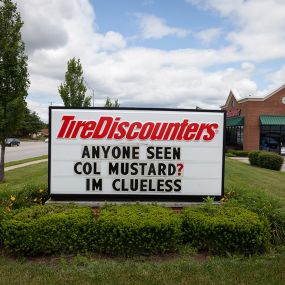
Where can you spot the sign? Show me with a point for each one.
(233, 113)
(135, 154)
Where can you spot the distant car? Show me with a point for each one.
(46, 140)
(12, 142)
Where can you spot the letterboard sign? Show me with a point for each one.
(131, 154)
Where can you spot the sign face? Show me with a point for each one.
(233, 113)
(135, 154)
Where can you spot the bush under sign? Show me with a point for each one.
(130, 154)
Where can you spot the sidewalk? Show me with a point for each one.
(25, 164)
(245, 160)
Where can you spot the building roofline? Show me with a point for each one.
(253, 98)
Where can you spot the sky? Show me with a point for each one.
(155, 53)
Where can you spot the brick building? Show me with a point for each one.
(256, 123)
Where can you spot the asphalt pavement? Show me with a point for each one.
(26, 150)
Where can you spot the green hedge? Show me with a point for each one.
(219, 229)
(263, 204)
(265, 159)
(239, 153)
(253, 157)
(47, 229)
(132, 229)
(137, 229)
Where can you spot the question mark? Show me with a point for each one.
(179, 167)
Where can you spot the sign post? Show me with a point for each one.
(132, 154)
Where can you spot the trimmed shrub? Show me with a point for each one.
(219, 229)
(266, 159)
(137, 229)
(229, 154)
(47, 229)
(239, 153)
(253, 157)
(261, 203)
(270, 160)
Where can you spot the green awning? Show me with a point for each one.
(236, 121)
(272, 120)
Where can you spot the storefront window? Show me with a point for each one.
(234, 137)
(272, 138)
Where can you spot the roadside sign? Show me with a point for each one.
(131, 154)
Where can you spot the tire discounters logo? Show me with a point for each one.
(135, 154)
(114, 128)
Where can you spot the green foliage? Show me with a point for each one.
(228, 154)
(137, 229)
(266, 159)
(239, 153)
(264, 205)
(253, 157)
(30, 124)
(224, 229)
(110, 104)
(73, 90)
(14, 80)
(47, 229)
(270, 160)
(30, 195)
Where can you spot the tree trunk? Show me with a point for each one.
(2, 161)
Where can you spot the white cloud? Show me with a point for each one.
(277, 78)
(153, 27)
(136, 76)
(259, 26)
(209, 35)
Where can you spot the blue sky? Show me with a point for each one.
(155, 53)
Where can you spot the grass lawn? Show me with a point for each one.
(186, 268)
(16, 162)
(239, 174)
(16, 179)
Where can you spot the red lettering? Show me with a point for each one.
(211, 132)
(121, 130)
(79, 125)
(104, 123)
(66, 120)
(146, 130)
(112, 128)
(172, 129)
(131, 135)
(88, 129)
(158, 131)
(191, 131)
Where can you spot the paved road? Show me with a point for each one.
(26, 150)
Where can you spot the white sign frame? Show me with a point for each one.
(214, 167)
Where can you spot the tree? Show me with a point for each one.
(72, 91)
(14, 81)
(30, 124)
(110, 104)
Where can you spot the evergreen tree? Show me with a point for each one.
(14, 80)
(73, 90)
(110, 104)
